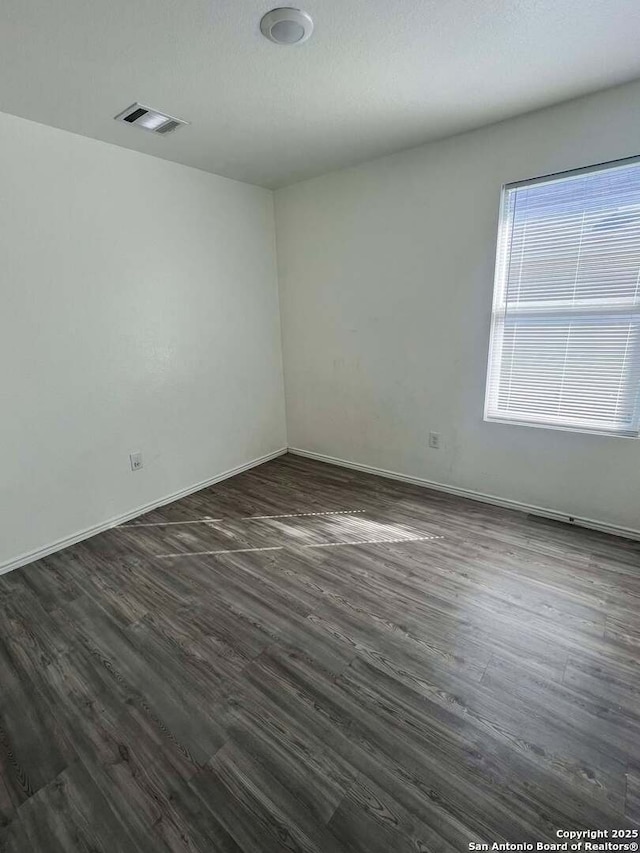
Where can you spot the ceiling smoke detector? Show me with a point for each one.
(149, 119)
(286, 26)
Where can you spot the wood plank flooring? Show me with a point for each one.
(305, 658)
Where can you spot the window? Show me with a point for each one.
(565, 330)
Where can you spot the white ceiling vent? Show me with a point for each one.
(149, 119)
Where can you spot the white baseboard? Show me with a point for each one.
(30, 557)
(545, 512)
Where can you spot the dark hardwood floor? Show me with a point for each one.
(305, 658)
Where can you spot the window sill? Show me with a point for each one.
(583, 430)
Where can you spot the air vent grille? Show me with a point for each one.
(135, 115)
(149, 119)
(169, 126)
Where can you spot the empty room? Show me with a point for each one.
(319, 437)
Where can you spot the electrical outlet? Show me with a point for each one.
(434, 440)
(136, 460)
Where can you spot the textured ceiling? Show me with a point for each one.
(377, 75)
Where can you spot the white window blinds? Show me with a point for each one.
(565, 334)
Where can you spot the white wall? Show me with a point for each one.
(386, 278)
(139, 312)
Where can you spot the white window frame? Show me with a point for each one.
(497, 314)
